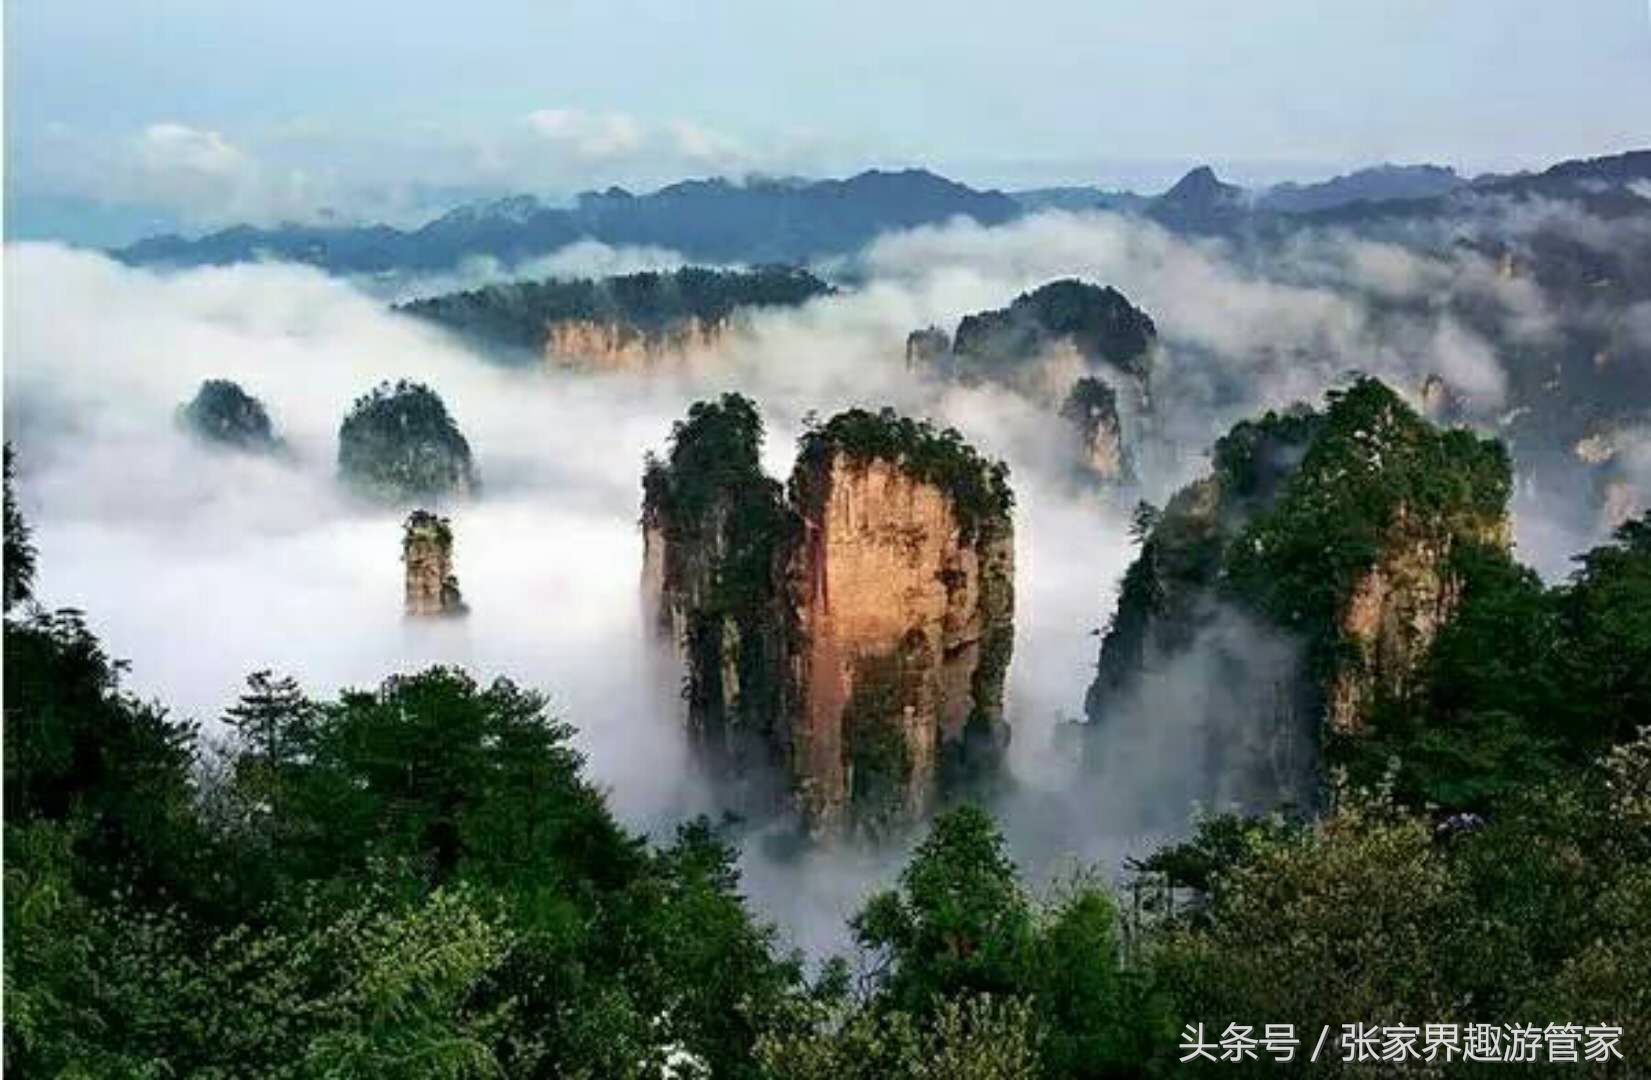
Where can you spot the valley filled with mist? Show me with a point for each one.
(1230, 497)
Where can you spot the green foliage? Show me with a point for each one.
(708, 496)
(647, 304)
(414, 880)
(874, 739)
(973, 1038)
(223, 414)
(1089, 398)
(399, 443)
(959, 923)
(977, 488)
(1218, 845)
(1536, 913)
(1371, 465)
(82, 753)
(1524, 682)
(1605, 612)
(420, 521)
(962, 928)
(19, 546)
(1099, 1016)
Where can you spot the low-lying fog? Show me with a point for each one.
(201, 566)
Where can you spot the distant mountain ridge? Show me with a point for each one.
(796, 221)
(759, 221)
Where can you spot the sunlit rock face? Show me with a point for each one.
(906, 622)
(844, 645)
(1396, 609)
(608, 347)
(427, 555)
(1334, 529)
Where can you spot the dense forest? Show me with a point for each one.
(418, 879)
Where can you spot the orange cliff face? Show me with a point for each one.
(894, 606)
(1395, 612)
(852, 639)
(592, 345)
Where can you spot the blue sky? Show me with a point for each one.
(203, 111)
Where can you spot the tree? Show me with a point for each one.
(19, 546)
(959, 923)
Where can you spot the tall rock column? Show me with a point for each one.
(427, 553)
(845, 642)
(905, 613)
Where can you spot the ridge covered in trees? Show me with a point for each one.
(516, 315)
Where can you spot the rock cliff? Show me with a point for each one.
(853, 636)
(610, 346)
(629, 322)
(1068, 345)
(427, 553)
(1337, 529)
(1091, 408)
(928, 348)
(716, 533)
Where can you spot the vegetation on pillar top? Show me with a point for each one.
(977, 487)
(224, 414)
(398, 442)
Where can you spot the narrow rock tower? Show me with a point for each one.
(427, 551)
(844, 639)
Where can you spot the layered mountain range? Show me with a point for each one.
(791, 220)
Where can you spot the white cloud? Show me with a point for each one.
(178, 148)
(313, 172)
(621, 140)
(594, 137)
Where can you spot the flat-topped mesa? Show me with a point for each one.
(628, 323)
(1338, 529)
(427, 553)
(845, 643)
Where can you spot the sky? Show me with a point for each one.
(125, 117)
